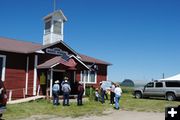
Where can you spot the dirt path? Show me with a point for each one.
(110, 115)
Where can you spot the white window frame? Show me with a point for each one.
(4, 67)
(88, 81)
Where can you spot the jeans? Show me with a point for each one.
(117, 98)
(103, 94)
(79, 98)
(112, 97)
(66, 98)
(55, 98)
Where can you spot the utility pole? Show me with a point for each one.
(163, 75)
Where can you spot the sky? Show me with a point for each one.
(141, 38)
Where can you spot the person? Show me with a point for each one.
(80, 94)
(66, 91)
(97, 96)
(112, 94)
(103, 92)
(118, 92)
(56, 90)
(3, 98)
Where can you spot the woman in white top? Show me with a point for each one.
(117, 92)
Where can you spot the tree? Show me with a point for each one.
(128, 83)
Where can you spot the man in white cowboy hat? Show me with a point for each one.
(66, 91)
(55, 91)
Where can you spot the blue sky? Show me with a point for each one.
(140, 38)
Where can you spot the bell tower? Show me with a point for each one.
(54, 27)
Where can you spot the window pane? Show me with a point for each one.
(92, 76)
(47, 27)
(173, 84)
(57, 27)
(1, 66)
(150, 85)
(159, 85)
(85, 76)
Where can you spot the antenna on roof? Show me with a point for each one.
(54, 5)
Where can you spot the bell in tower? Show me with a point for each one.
(53, 28)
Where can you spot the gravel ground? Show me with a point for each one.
(108, 115)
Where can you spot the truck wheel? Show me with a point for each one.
(138, 95)
(170, 97)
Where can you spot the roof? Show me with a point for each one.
(12, 45)
(55, 13)
(175, 77)
(89, 59)
(59, 60)
(56, 61)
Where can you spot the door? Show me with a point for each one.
(158, 90)
(149, 89)
(58, 76)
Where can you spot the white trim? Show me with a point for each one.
(79, 61)
(83, 77)
(35, 75)
(88, 72)
(54, 65)
(84, 84)
(27, 75)
(40, 51)
(95, 76)
(3, 67)
(51, 82)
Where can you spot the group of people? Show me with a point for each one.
(115, 94)
(66, 89)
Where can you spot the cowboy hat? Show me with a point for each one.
(66, 78)
(57, 81)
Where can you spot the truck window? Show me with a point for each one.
(159, 84)
(149, 85)
(172, 84)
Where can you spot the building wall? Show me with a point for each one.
(15, 74)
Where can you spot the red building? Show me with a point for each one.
(28, 69)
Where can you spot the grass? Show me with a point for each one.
(127, 102)
(42, 107)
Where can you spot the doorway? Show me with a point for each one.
(57, 75)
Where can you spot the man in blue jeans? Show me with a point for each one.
(103, 92)
(55, 91)
(66, 91)
(118, 92)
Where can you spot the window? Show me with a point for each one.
(150, 85)
(159, 84)
(57, 27)
(173, 84)
(88, 76)
(47, 27)
(2, 67)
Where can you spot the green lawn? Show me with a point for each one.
(41, 107)
(127, 102)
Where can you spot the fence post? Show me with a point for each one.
(38, 90)
(10, 95)
(24, 92)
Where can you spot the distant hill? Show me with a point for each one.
(128, 83)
